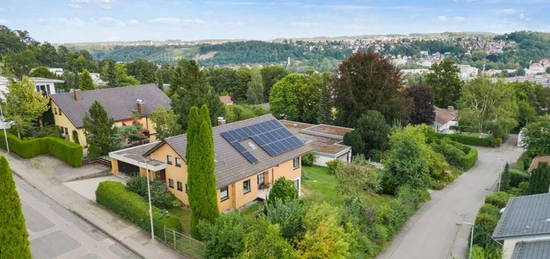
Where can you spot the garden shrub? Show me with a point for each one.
(499, 199)
(518, 176)
(282, 190)
(161, 197)
(129, 205)
(474, 139)
(289, 215)
(66, 151)
(539, 182)
(333, 164)
(357, 177)
(308, 159)
(489, 209)
(524, 161)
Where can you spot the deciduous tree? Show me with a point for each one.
(537, 137)
(86, 82)
(270, 76)
(283, 190)
(166, 123)
(296, 97)
(445, 82)
(422, 104)
(368, 81)
(255, 92)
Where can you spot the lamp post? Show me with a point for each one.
(4, 125)
(471, 237)
(149, 198)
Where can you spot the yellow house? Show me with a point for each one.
(121, 103)
(250, 155)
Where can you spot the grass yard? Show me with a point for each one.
(185, 218)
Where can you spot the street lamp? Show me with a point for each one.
(471, 237)
(145, 160)
(4, 125)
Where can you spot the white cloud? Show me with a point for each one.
(133, 22)
(2, 21)
(507, 11)
(303, 24)
(442, 18)
(176, 21)
(460, 19)
(62, 21)
(105, 4)
(349, 7)
(109, 21)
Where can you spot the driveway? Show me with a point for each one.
(55, 232)
(87, 187)
(437, 230)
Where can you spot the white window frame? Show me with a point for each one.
(224, 193)
(249, 189)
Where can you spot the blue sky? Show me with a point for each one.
(60, 21)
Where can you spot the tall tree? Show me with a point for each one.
(255, 92)
(166, 123)
(222, 79)
(86, 82)
(43, 72)
(14, 241)
(193, 89)
(23, 104)
(164, 75)
(325, 100)
(422, 104)
(238, 91)
(539, 182)
(20, 63)
(100, 132)
(72, 80)
(270, 76)
(201, 173)
(445, 82)
(368, 81)
(142, 70)
(537, 137)
(486, 106)
(110, 74)
(296, 97)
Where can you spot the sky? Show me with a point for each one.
(65, 21)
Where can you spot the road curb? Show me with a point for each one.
(80, 216)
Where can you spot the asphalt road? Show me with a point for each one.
(55, 232)
(438, 229)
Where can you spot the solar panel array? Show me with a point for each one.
(270, 135)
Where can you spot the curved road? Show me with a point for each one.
(436, 230)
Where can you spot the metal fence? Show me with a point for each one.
(183, 243)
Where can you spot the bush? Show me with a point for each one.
(518, 176)
(474, 139)
(333, 165)
(540, 179)
(117, 198)
(455, 153)
(308, 159)
(499, 199)
(357, 177)
(489, 209)
(161, 197)
(66, 151)
(523, 162)
(289, 216)
(282, 190)
(225, 237)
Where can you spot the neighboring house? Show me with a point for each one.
(226, 99)
(250, 155)
(537, 161)
(445, 119)
(46, 86)
(325, 140)
(97, 79)
(525, 227)
(123, 104)
(56, 70)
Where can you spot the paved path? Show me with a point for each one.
(435, 232)
(55, 232)
(47, 175)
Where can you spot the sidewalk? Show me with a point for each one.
(134, 238)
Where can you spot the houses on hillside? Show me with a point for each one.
(45, 86)
(524, 227)
(124, 104)
(250, 155)
(324, 140)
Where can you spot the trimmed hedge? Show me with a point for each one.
(498, 199)
(129, 205)
(455, 153)
(66, 151)
(474, 140)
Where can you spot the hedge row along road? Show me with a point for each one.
(435, 230)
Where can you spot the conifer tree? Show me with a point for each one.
(100, 132)
(201, 173)
(255, 92)
(325, 104)
(13, 232)
(111, 74)
(540, 179)
(86, 82)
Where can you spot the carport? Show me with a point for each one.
(131, 162)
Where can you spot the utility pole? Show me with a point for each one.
(149, 198)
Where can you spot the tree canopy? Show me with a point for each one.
(296, 97)
(101, 134)
(445, 82)
(422, 104)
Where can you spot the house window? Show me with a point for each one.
(261, 179)
(246, 186)
(224, 193)
(169, 159)
(186, 188)
(55, 111)
(180, 186)
(297, 184)
(178, 162)
(296, 162)
(170, 183)
(60, 112)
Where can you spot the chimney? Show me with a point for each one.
(77, 94)
(140, 106)
(451, 108)
(221, 121)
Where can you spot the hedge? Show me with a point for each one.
(474, 140)
(498, 199)
(66, 151)
(129, 205)
(455, 153)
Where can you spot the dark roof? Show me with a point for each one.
(231, 166)
(525, 216)
(442, 115)
(537, 161)
(532, 250)
(119, 102)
